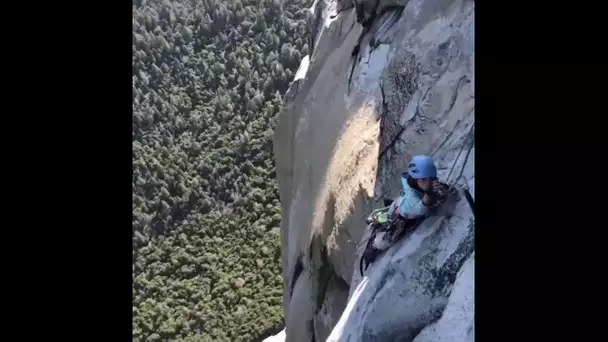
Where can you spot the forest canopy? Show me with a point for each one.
(208, 77)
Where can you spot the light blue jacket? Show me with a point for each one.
(409, 204)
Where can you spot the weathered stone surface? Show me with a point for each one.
(458, 320)
(368, 98)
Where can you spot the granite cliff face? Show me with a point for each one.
(385, 80)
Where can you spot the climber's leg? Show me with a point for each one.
(380, 243)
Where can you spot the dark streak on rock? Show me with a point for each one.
(388, 273)
(299, 267)
(314, 23)
(384, 104)
(325, 273)
(341, 283)
(350, 29)
(375, 42)
(367, 25)
(447, 137)
(345, 7)
(392, 142)
(455, 96)
(355, 58)
(444, 277)
(433, 317)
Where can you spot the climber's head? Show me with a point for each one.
(422, 171)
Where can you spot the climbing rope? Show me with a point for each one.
(451, 187)
(459, 153)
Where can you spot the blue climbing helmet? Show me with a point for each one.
(422, 167)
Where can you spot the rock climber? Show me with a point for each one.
(420, 188)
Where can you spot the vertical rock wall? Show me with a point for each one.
(385, 80)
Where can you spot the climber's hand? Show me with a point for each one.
(425, 184)
(437, 187)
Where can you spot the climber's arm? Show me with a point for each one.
(414, 207)
(428, 200)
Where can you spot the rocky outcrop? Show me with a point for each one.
(385, 80)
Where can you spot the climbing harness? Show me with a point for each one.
(378, 221)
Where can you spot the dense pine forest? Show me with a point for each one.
(208, 76)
